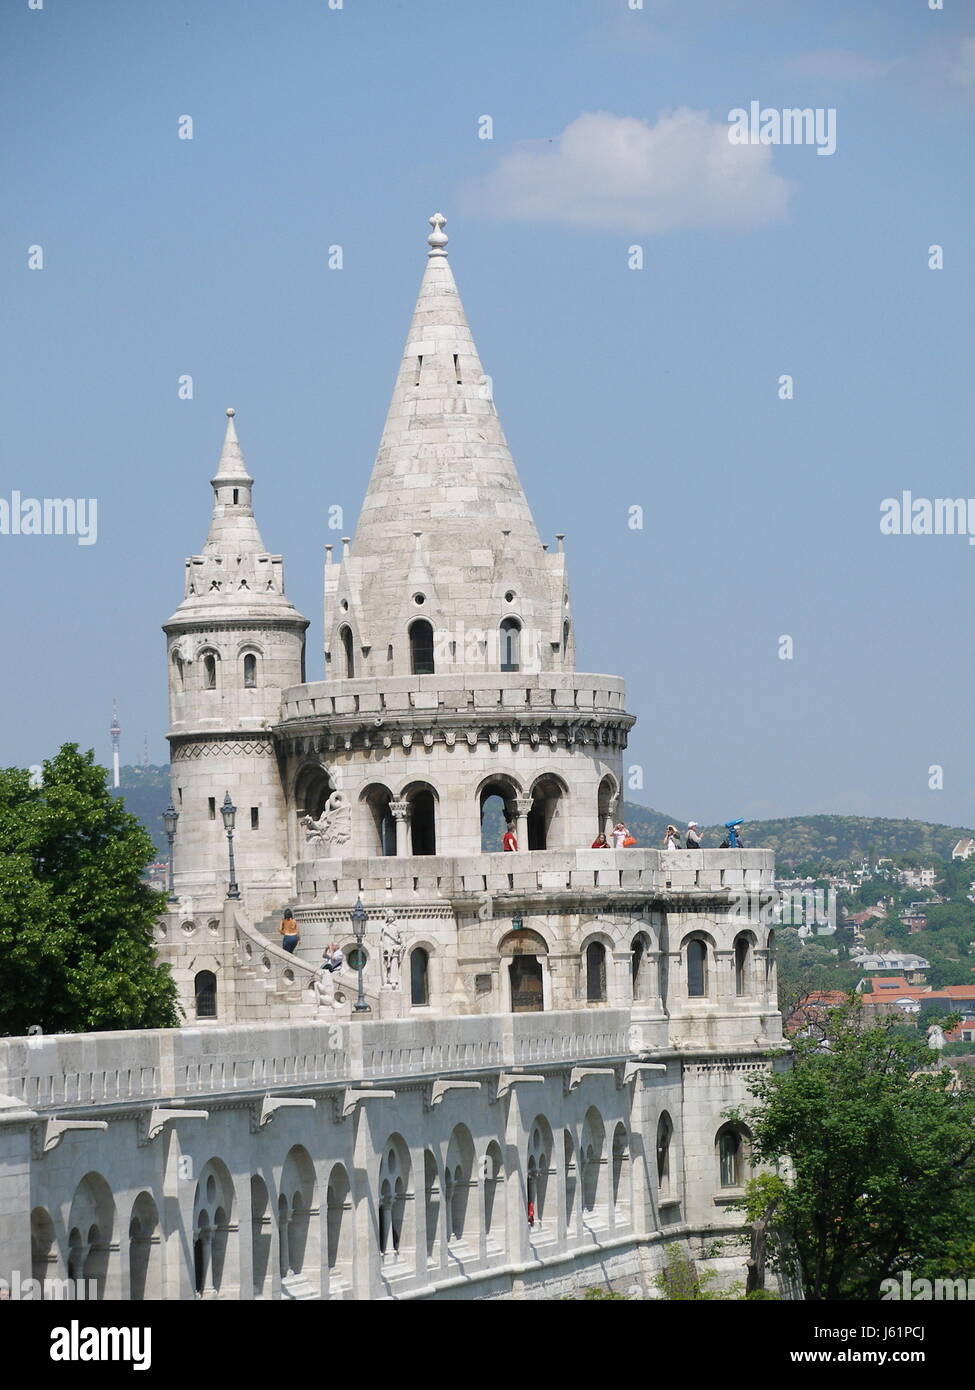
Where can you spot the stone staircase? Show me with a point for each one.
(269, 993)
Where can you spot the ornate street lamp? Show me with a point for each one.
(229, 813)
(170, 817)
(359, 919)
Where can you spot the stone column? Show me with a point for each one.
(523, 805)
(401, 814)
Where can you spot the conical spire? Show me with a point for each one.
(231, 467)
(233, 527)
(234, 569)
(443, 468)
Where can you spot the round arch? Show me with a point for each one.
(545, 821)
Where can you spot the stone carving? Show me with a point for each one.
(333, 827)
(324, 988)
(391, 944)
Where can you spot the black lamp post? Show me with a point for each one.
(229, 813)
(170, 817)
(359, 919)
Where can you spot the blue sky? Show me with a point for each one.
(617, 388)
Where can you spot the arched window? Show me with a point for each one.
(511, 645)
(250, 671)
(421, 648)
(205, 992)
(638, 971)
(665, 1131)
(348, 650)
(741, 965)
(596, 973)
(697, 969)
(178, 667)
(565, 639)
(423, 821)
(769, 960)
(419, 977)
(209, 672)
(731, 1158)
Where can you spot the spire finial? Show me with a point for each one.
(230, 412)
(437, 239)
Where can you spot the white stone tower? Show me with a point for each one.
(234, 643)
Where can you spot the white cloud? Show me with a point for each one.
(621, 173)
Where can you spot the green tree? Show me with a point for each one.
(76, 947)
(881, 1157)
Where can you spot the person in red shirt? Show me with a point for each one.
(599, 843)
(510, 841)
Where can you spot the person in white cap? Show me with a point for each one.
(692, 840)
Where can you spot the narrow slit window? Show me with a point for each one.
(416, 377)
(457, 369)
(255, 817)
(236, 496)
(212, 807)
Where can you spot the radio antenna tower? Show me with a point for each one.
(115, 731)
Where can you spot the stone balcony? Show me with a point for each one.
(112, 1071)
(459, 694)
(653, 874)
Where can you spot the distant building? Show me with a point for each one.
(964, 849)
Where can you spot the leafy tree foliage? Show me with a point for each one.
(76, 948)
(879, 1147)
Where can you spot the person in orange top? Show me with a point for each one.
(290, 936)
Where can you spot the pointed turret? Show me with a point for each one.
(233, 523)
(233, 645)
(234, 572)
(444, 469)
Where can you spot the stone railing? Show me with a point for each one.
(480, 692)
(638, 871)
(105, 1070)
